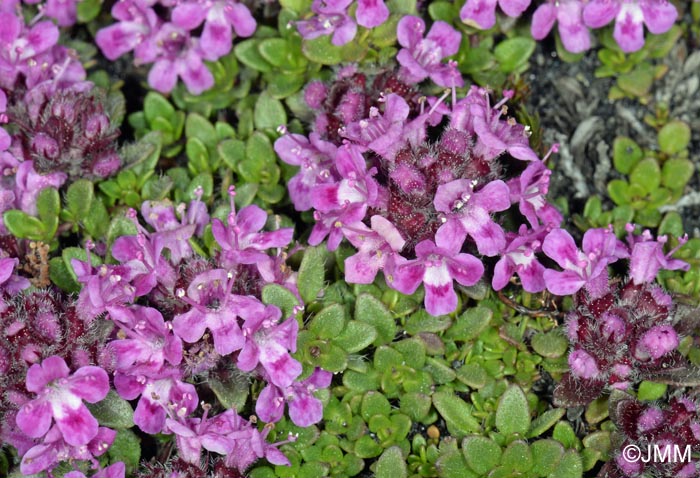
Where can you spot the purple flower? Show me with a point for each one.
(269, 343)
(647, 256)
(519, 257)
(193, 434)
(11, 283)
(380, 132)
(149, 343)
(250, 445)
(315, 160)
(136, 23)
(656, 342)
(569, 13)
(61, 399)
(117, 470)
(178, 54)
(20, 46)
(218, 17)
(29, 184)
(176, 234)
(371, 13)
(582, 364)
(241, 240)
(304, 408)
(214, 307)
(468, 213)
(331, 18)
(376, 247)
(159, 398)
(482, 13)
(630, 17)
(421, 57)
(530, 191)
(581, 268)
(54, 449)
(436, 266)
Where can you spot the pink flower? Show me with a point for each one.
(530, 191)
(304, 408)
(519, 258)
(572, 30)
(647, 256)
(421, 57)
(376, 247)
(214, 307)
(630, 17)
(582, 364)
(436, 266)
(117, 470)
(331, 18)
(467, 212)
(581, 268)
(269, 343)
(60, 397)
(193, 434)
(482, 13)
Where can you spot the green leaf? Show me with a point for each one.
(321, 50)
(470, 324)
(155, 105)
(113, 411)
(259, 157)
(638, 81)
(514, 53)
(120, 226)
(232, 151)
(457, 413)
(127, 448)
(646, 174)
(676, 173)
(280, 296)
(356, 336)
(481, 453)
(329, 322)
(97, 219)
(312, 273)
(269, 112)
(391, 464)
(197, 155)
(247, 52)
(552, 344)
(674, 137)
(618, 190)
(23, 225)
(88, 10)
(545, 421)
(197, 126)
(274, 51)
(374, 403)
(651, 390)
(546, 455)
(370, 310)
(570, 466)
(444, 11)
(416, 405)
(79, 198)
(626, 154)
(451, 464)
(48, 205)
(472, 374)
(233, 392)
(672, 224)
(513, 414)
(59, 275)
(517, 457)
(564, 434)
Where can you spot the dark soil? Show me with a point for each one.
(575, 112)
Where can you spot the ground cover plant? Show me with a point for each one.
(337, 238)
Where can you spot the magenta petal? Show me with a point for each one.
(38, 458)
(189, 16)
(90, 383)
(446, 36)
(251, 219)
(149, 416)
(189, 326)
(410, 31)
(305, 410)
(163, 76)
(282, 369)
(563, 283)
(465, 269)
(43, 36)
(227, 336)
(77, 425)
(216, 40)
(248, 357)
(513, 8)
(440, 299)
(659, 16)
(195, 75)
(407, 277)
(344, 33)
(629, 28)
(52, 368)
(361, 268)
(371, 13)
(240, 17)
(479, 13)
(560, 246)
(270, 404)
(532, 277)
(34, 418)
(502, 272)
(543, 20)
(117, 39)
(599, 13)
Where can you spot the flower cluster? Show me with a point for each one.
(408, 201)
(179, 315)
(622, 337)
(331, 18)
(65, 12)
(163, 33)
(575, 17)
(668, 432)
